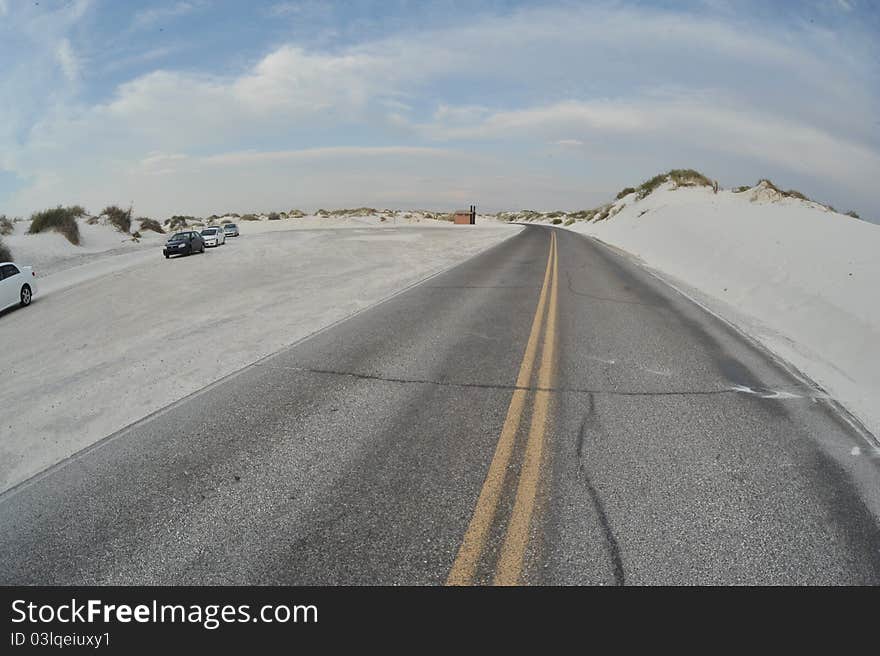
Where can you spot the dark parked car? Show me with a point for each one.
(184, 243)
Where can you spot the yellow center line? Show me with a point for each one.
(465, 565)
(510, 564)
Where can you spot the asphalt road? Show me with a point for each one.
(545, 413)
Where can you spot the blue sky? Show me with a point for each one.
(203, 106)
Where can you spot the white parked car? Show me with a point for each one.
(214, 236)
(18, 284)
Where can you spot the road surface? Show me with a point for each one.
(546, 413)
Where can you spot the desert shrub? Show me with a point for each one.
(274, 216)
(150, 224)
(60, 219)
(582, 215)
(178, 222)
(739, 190)
(556, 221)
(225, 221)
(625, 192)
(569, 221)
(690, 178)
(679, 177)
(789, 193)
(249, 217)
(6, 226)
(528, 215)
(5, 253)
(118, 217)
(357, 211)
(794, 193)
(650, 185)
(136, 235)
(295, 214)
(601, 213)
(853, 214)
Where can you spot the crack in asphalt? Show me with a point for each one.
(605, 298)
(607, 532)
(503, 387)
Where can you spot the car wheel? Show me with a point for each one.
(166, 256)
(26, 296)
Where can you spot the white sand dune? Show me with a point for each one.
(800, 278)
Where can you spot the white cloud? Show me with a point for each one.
(676, 122)
(597, 82)
(301, 9)
(68, 60)
(149, 17)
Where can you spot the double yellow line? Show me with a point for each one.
(508, 569)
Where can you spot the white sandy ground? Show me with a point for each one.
(803, 280)
(118, 331)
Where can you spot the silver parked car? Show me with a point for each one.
(214, 236)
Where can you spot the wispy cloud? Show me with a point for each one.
(68, 60)
(150, 17)
(301, 9)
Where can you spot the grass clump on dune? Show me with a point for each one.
(151, 224)
(788, 193)
(118, 217)
(6, 226)
(5, 253)
(679, 178)
(625, 192)
(59, 219)
(179, 222)
(582, 215)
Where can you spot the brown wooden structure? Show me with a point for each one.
(465, 217)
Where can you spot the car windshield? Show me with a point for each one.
(230, 226)
(180, 236)
(209, 231)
